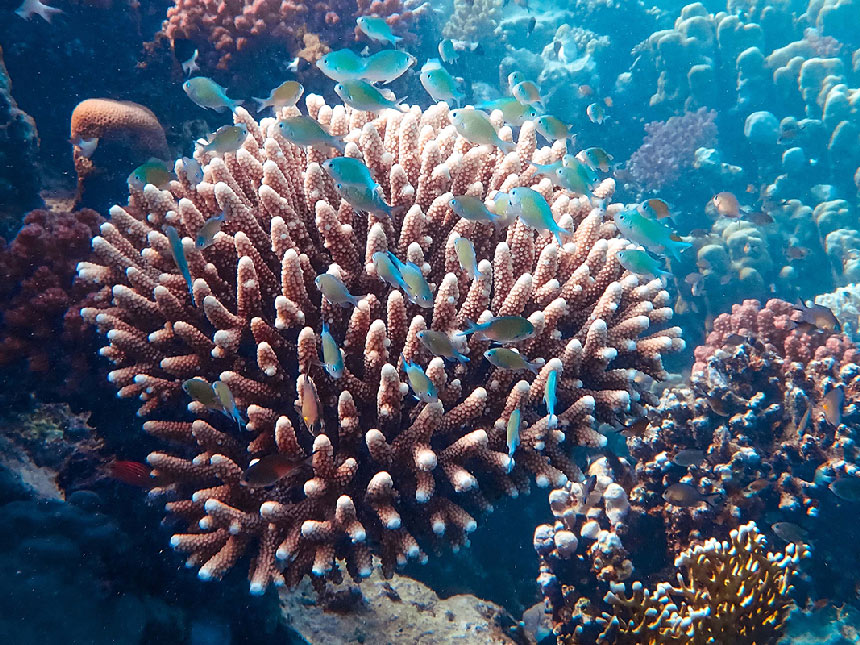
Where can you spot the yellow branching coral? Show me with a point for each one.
(728, 592)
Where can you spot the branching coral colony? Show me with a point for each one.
(380, 473)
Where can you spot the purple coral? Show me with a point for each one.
(669, 146)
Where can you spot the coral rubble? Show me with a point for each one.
(379, 473)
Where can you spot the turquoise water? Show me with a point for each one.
(403, 322)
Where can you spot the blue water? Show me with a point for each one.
(731, 129)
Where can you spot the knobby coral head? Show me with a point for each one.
(378, 472)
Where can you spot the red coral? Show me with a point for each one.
(776, 326)
(41, 296)
(221, 30)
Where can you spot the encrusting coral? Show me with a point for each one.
(380, 473)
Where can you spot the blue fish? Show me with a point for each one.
(332, 356)
(549, 397)
(178, 252)
(419, 381)
(225, 396)
(417, 289)
(513, 434)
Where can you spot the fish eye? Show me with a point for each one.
(453, 202)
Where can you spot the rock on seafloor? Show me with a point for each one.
(398, 611)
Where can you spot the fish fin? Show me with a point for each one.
(552, 422)
(460, 358)
(675, 248)
(506, 146)
(712, 500)
(356, 299)
(535, 367)
(261, 104)
(471, 329)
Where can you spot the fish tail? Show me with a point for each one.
(675, 248)
(339, 145)
(506, 146)
(460, 358)
(233, 104)
(552, 422)
(471, 329)
(535, 367)
(355, 300)
(262, 104)
(712, 500)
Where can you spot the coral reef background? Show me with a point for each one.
(708, 383)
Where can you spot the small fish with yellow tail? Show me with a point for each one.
(417, 289)
(334, 290)
(513, 112)
(206, 234)
(439, 83)
(286, 94)
(466, 256)
(421, 385)
(332, 355)
(510, 359)
(386, 66)
(686, 496)
(440, 344)
(361, 95)
(227, 138)
(449, 50)
(549, 396)
(309, 404)
(153, 172)
(364, 199)
(534, 211)
(387, 270)
(208, 94)
(651, 234)
(202, 392)
(177, 250)
(377, 29)
(552, 128)
(502, 329)
(639, 262)
(527, 92)
(225, 397)
(475, 126)
(308, 133)
(472, 209)
(342, 65)
(513, 431)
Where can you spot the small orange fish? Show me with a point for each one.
(636, 429)
(132, 473)
(727, 205)
(751, 188)
(271, 469)
(608, 101)
(656, 207)
(309, 407)
(585, 90)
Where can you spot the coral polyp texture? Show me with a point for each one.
(41, 295)
(223, 31)
(734, 591)
(379, 473)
